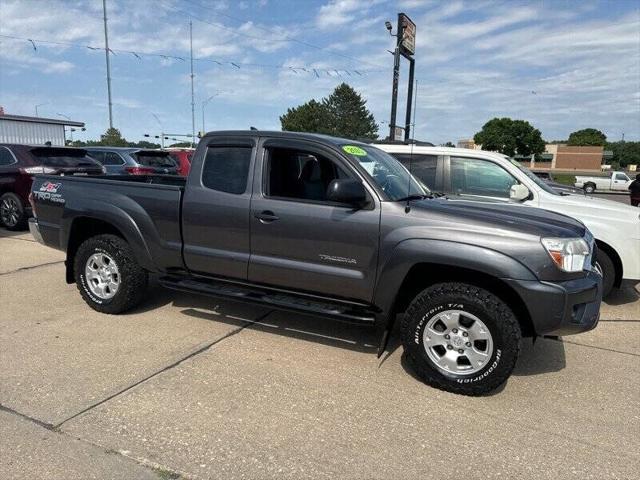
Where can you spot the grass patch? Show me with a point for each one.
(166, 474)
(564, 178)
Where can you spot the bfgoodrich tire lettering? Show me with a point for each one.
(132, 278)
(468, 376)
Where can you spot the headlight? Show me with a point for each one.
(569, 254)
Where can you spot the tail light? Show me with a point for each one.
(33, 204)
(139, 170)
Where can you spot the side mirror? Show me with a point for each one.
(348, 191)
(519, 192)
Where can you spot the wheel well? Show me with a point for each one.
(424, 275)
(81, 229)
(615, 258)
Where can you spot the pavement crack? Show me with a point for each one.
(164, 369)
(594, 346)
(31, 267)
(40, 423)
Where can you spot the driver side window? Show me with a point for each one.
(472, 176)
(299, 174)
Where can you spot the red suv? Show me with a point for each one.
(182, 157)
(18, 165)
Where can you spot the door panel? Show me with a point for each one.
(216, 210)
(312, 245)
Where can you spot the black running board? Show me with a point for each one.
(273, 298)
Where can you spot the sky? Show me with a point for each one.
(562, 65)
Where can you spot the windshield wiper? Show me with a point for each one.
(415, 196)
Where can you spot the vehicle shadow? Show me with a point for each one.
(259, 317)
(546, 355)
(623, 296)
(8, 233)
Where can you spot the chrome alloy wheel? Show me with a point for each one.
(103, 276)
(457, 342)
(9, 212)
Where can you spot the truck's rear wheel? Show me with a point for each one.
(107, 274)
(589, 188)
(461, 338)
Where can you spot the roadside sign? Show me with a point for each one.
(398, 134)
(408, 34)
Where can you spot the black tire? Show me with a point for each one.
(13, 215)
(133, 278)
(589, 188)
(468, 299)
(608, 270)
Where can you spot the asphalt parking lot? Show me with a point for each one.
(195, 387)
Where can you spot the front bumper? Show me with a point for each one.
(34, 229)
(563, 308)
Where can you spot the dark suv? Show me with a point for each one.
(18, 165)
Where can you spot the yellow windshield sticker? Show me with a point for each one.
(353, 150)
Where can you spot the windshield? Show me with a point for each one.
(63, 157)
(155, 159)
(386, 172)
(534, 177)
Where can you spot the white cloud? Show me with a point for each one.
(337, 13)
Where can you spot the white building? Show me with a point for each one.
(34, 130)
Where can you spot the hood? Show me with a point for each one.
(517, 219)
(588, 206)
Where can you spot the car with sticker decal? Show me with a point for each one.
(338, 229)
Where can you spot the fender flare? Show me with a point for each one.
(408, 253)
(117, 218)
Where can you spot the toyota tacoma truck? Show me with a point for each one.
(335, 228)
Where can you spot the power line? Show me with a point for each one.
(286, 38)
(297, 69)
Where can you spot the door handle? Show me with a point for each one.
(267, 216)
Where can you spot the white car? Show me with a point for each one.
(490, 176)
(613, 181)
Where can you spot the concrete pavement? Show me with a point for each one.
(191, 386)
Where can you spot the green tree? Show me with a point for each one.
(510, 137)
(587, 137)
(448, 144)
(308, 117)
(348, 114)
(624, 153)
(144, 144)
(344, 114)
(113, 138)
(180, 144)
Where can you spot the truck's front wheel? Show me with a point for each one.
(107, 274)
(461, 338)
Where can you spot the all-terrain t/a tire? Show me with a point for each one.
(460, 338)
(13, 215)
(107, 274)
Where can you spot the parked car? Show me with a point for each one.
(488, 176)
(547, 177)
(612, 181)
(18, 165)
(336, 228)
(134, 161)
(182, 157)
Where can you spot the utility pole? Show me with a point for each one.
(394, 88)
(193, 108)
(106, 52)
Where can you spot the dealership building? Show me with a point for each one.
(34, 130)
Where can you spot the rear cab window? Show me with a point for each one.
(226, 168)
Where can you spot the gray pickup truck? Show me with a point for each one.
(335, 228)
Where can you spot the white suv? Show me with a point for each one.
(490, 176)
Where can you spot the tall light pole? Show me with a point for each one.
(40, 105)
(70, 128)
(161, 130)
(106, 52)
(204, 104)
(193, 108)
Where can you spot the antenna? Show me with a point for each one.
(407, 207)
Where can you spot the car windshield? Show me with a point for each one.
(155, 159)
(534, 177)
(386, 172)
(63, 157)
